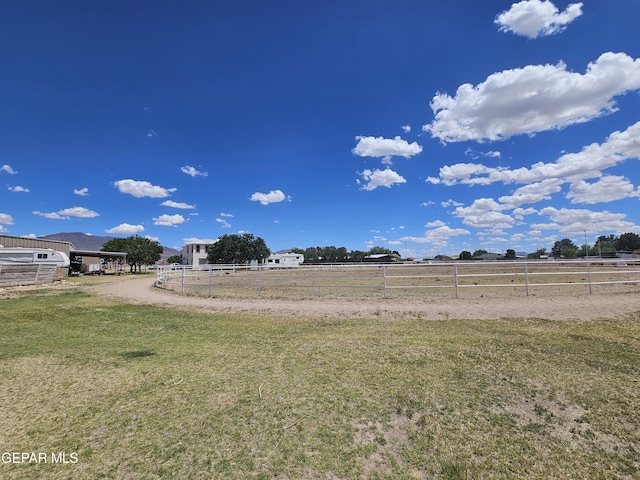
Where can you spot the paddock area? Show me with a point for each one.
(436, 280)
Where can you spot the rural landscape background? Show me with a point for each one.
(430, 129)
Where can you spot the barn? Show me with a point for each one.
(383, 258)
(84, 261)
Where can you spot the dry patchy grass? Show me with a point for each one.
(145, 392)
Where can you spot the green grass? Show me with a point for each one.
(147, 392)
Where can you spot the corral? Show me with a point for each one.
(437, 280)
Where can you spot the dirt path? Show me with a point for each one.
(581, 307)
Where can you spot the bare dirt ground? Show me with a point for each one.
(581, 306)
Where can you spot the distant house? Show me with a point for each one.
(383, 258)
(195, 254)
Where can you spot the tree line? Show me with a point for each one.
(239, 249)
(333, 254)
(605, 246)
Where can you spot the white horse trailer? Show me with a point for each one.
(25, 255)
(284, 260)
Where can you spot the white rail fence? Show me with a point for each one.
(405, 280)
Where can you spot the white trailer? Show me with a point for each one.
(26, 255)
(284, 260)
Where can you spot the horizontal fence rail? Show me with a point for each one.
(485, 278)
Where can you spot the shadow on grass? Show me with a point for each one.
(137, 354)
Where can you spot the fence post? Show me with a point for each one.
(183, 269)
(384, 274)
(210, 279)
(589, 275)
(318, 279)
(526, 276)
(456, 278)
(259, 281)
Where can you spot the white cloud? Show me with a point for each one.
(533, 99)
(203, 241)
(435, 223)
(475, 154)
(126, 229)
(386, 148)
(576, 222)
(380, 178)
(6, 219)
(546, 178)
(79, 212)
(82, 192)
(437, 236)
(537, 18)
(141, 189)
(223, 223)
(169, 220)
(467, 173)
(520, 213)
(406, 128)
(7, 169)
(67, 213)
(189, 170)
(170, 203)
(229, 215)
(50, 215)
(274, 196)
(484, 213)
(533, 193)
(18, 189)
(451, 203)
(606, 189)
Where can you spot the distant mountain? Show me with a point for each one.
(82, 241)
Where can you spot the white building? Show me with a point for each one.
(195, 254)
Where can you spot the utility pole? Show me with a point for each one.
(586, 249)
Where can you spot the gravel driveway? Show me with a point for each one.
(579, 307)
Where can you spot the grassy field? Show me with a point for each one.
(143, 392)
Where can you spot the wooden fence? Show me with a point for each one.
(26, 274)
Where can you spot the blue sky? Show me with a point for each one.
(421, 126)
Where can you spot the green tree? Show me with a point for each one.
(357, 255)
(175, 259)
(140, 251)
(479, 253)
(379, 251)
(311, 255)
(510, 254)
(564, 248)
(238, 249)
(628, 242)
(465, 255)
(605, 246)
(538, 253)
